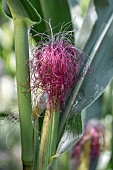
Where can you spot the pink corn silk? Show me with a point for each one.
(54, 69)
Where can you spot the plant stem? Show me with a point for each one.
(54, 132)
(44, 152)
(48, 138)
(54, 138)
(36, 143)
(24, 99)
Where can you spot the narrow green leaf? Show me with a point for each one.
(6, 8)
(23, 9)
(72, 133)
(32, 9)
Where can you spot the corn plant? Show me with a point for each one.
(63, 77)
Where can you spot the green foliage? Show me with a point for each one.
(95, 38)
(25, 9)
(6, 8)
(71, 134)
(99, 48)
(54, 11)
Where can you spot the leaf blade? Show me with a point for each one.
(96, 48)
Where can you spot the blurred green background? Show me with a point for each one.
(10, 150)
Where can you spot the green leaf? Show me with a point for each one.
(87, 26)
(94, 111)
(72, 133)
(94, 22)
(50, 10)
(6, 8)
(100, 50)
(54, 10)
(22, 9)
(32, 8)
(99, 47)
